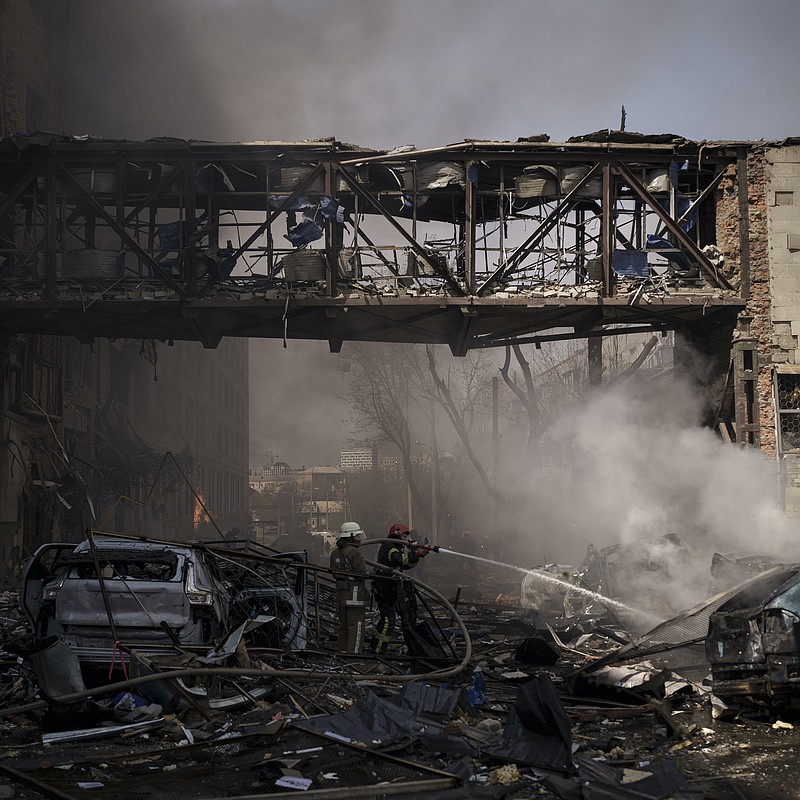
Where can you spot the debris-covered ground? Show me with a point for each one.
(499, 701)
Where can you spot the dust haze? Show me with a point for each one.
(297, 404)
(416, 72)
(422, 73)
(644, 468)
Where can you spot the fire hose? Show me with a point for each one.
(172, 674)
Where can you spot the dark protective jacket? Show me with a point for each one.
(348, 565)
(396, 555)
(393, 555)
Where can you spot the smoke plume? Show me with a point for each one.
(643, 469)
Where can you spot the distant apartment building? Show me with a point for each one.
(298, 503)
(359, 460)
(425, 460)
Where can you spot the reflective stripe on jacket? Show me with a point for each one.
(348, 565)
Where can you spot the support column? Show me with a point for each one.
(51, 235)
(607, 231)
(595, 349)
(333, 237)
(744, 222)
(745, 377)
(189, 246)
(469, 228)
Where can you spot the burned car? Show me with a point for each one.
(753, 645)
(156, 597)
(638, 573)
(730, 569)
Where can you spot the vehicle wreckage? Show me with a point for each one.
(156, 597)
(752, 643)
(239, 699)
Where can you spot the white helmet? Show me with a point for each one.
(350, 530)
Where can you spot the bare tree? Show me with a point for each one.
(458, 414)
(394, 390)
(387, 393)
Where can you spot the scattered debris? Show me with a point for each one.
(564, 708)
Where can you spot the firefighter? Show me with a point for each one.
(350, 572)
(394, 555)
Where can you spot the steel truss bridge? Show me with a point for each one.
(476, 244)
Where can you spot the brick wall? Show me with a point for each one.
(759, 303)
(773, 304)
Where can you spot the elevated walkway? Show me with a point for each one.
(477, 244)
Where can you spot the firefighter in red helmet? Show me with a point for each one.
(392, 555)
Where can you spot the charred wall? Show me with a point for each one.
(32, 58)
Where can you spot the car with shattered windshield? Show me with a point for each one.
(160, 597)
(752, 641)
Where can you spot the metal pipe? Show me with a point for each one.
(417, 788)
(277, 673)
(24, 779)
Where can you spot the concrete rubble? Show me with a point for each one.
(647, 290)
(526, 703)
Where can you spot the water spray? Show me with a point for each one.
(546, 576)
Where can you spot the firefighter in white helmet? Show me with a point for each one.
(350, 572)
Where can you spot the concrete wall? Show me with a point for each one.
(783, 236)
(783, 206)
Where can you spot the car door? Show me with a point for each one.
(43, 568)
(138, 597)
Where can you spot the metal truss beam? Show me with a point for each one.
(672, 226)
(497, 283)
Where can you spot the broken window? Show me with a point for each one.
(788, 391)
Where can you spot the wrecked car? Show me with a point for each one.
(752, 642)
(155, 597)
(641, 573)
(730, 569)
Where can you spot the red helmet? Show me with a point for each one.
(397, 530)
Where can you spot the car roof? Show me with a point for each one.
(133, 546)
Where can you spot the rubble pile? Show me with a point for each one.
(543, 706)
(648, 290)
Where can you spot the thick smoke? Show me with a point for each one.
(381, 75)
(643, 469)
(297, 405)
(416, 72)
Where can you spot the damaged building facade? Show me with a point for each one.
(489, 244)
(770, 261)
(122, 255)
(86, 424)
